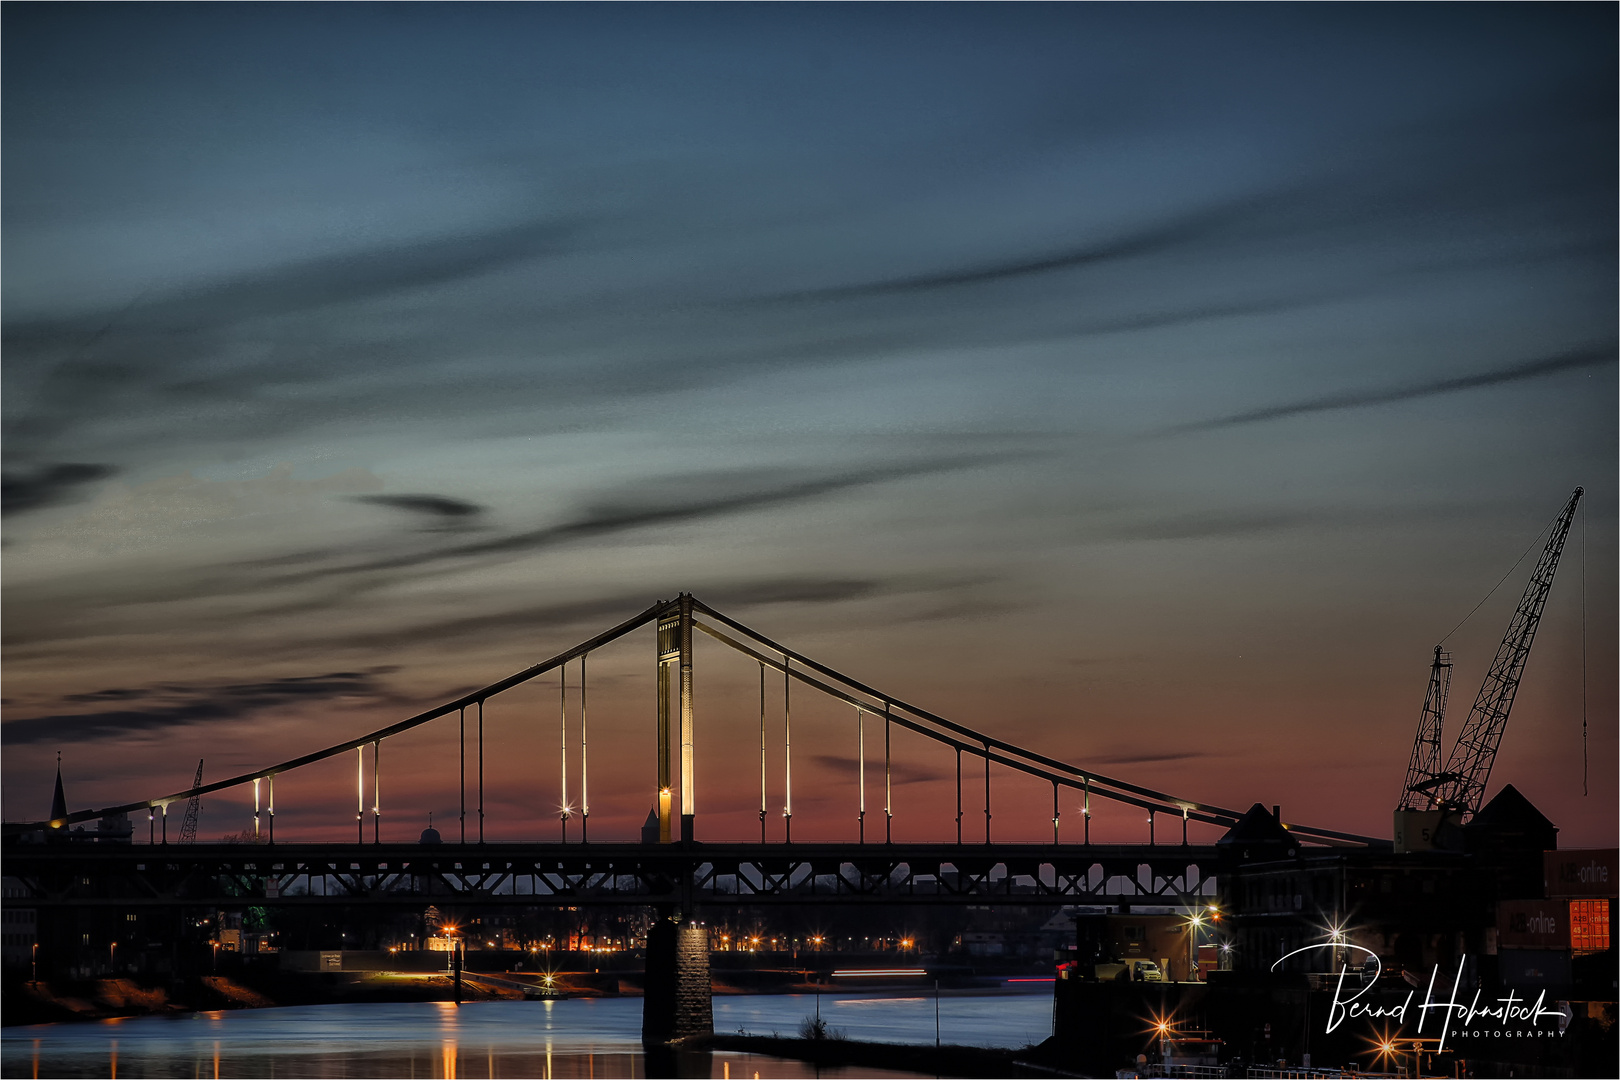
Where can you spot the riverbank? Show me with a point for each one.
(82, 1000)
(943, 1060)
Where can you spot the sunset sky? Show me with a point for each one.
(1152, 386)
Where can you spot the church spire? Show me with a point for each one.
(58, 800)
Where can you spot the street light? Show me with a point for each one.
(1195, 923)
(1338, 939)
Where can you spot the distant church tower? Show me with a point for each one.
(58, 800)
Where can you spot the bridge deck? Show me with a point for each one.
(507, 873)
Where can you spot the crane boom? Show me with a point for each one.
(188, 828)
(1422, 770)
(1468, 768)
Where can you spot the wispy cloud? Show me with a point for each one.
(48, 486)
(1156, 239)
(379, 270)
(439, 506)
(607, 608)
(901, 772)
(174, 706)
(686, 499)
(1148, 759)
(1359, 399)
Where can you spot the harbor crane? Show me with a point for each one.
(188, 828)
(1433, 793)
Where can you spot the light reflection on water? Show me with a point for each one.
(585, 1037)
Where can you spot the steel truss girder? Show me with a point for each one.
(507, 874)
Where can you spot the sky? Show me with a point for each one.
(1151, 386)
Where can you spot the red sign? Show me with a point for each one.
(1575, 874)
(1533, 924)
(1589, 925)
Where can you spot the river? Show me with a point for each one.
(581, 1037)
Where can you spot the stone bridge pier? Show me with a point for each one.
(678, 1004)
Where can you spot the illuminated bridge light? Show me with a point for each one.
(856, 973)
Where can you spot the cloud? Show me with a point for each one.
(115, 694)
(1158, 239)
(147, 357)
(1147, 759)
(607, 609)
(900, 772)
(322, 281)
(48, 486)
(295, 346)
(685, 499)
(180, 706)
(1167, 237)
(433, 505)
(690, 498)
(1531, 369)
(803, 590)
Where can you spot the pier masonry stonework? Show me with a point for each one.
(678, 1003)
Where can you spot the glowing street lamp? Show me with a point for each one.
(1195, 923)
(1163, 1025)
(1338, 939)
(1384, 1048)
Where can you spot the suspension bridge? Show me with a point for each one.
(669, 865)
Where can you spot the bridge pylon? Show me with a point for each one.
(675, 649)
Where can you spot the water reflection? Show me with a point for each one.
(585, 1038)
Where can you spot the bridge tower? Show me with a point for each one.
(675, 649)
(677, 1005)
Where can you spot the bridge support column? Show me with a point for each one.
(688, 761)
(675, 648)
(669, 652)
(678, 1004)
